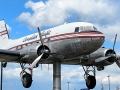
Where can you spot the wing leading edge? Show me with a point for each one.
(8, 55)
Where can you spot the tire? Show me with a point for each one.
(91, 82)
(27, 80)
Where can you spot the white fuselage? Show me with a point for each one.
(62, 38)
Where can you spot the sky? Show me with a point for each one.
(24, 16)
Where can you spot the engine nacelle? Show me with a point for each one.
(104, 52)
(34, 50)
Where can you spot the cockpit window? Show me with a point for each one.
(77, 29)
(88, 28)
(85, 28)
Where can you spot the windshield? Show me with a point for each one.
(88, 28)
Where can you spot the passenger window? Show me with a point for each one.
(48, 39)
(29, 44)
(77, 29)
(19, 47)
(23, 45)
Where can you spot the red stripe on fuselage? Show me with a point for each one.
(78, 35)
(69, 36)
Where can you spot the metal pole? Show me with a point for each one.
(68, 85)
(109, 81)
(56, 75)
(1, 76)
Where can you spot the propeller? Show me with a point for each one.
(117, 58)
(40, 36)
(110, 54)
(114, 41)
(34, 63)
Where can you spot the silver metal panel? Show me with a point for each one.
(75, 47)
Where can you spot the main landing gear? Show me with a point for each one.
(90, 79)
(26, 78)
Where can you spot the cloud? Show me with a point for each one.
(24, 16)
(44, 15)
(110, 31)
(104, 14)
(68, 73)
(118, 52)
(113, 71)
(12, 73)
(55, 12)
(72, 73)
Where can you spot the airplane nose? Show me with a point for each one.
(94, 42)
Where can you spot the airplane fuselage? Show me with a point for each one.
(70, 40)
(72, 43)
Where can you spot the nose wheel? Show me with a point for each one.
(26, 78)
(90, 79)
(91, 82)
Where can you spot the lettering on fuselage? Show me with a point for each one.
(46, 33)
(30, 38)
(35, 36)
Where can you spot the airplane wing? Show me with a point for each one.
(8, 55)
(90, 61)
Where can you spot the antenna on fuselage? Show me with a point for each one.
(77, 19)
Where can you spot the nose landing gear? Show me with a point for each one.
(90, 79)
(90, 82)
(26, 78)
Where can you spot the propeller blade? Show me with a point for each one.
(40, 35)
(114, 41)
(118, 61)
(35, 62)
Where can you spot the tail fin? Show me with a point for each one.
(4, 36)
(3, 30)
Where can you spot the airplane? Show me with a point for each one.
(77, 43)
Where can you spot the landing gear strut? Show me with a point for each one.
(90, 79)
(26, 78)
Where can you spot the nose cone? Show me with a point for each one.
(94, 41)
(97, 39)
